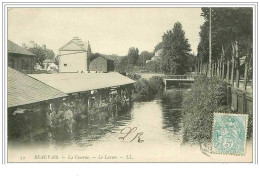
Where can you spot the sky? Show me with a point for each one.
(109, 30)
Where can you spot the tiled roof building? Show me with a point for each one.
(20, 58)
(23, 89)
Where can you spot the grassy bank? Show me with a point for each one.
(208, 95)
(147, 89)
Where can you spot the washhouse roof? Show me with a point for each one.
(80, 82)
(23, 89)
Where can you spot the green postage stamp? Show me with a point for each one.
(229, 133)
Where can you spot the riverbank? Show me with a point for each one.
(207, 95)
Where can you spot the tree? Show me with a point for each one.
(133, 55)
(39, 53)
(229, 25)
(144, 55)
(56, 60)
(158, 46)
(192, 62)
(49, 54)
(175, 50)
(122, 65)
(42, 54)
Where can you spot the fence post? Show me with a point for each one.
(237, 65)
(227, 75)
(229, 96)
(245, 74)
(233, 65)
(244, 102)
(220, 67)
(223, 69)
(237, 74)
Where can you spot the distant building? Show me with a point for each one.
(37, 67)
(102, 63)
(46, 63)
(157, 55)
(74, 56)
(19, 58)
(53, 67)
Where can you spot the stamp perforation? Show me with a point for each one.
(246, 129)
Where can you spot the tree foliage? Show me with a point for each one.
(158, 46)
(175, 50)
(133, 55)
(144, 55)
(227, 25)
(42, 54)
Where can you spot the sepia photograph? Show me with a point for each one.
(130, 84)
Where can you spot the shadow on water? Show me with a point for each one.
(171, 108)
(89, 130)
(84, 132)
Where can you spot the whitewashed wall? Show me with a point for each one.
(75, 62)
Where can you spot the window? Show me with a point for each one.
(65, 64)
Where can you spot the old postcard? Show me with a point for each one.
(139, 84)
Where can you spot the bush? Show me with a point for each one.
(208, 95)
(156, 84)
(134, 76)
(147, 89)
(153, 66)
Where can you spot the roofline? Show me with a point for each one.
(102, 55)
(45, 84)
(73, 50)
(66, 95)
(69, 43)
(23, 54)
(99, 88)
(29, 53)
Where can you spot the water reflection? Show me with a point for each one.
(159, 121)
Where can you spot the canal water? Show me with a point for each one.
(145, 131)
(155, 119)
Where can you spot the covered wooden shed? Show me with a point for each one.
(102, 63)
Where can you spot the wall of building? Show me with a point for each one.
(98, 64)
(72, 61)
(110, 65)
(102, 65)
(22, 63)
